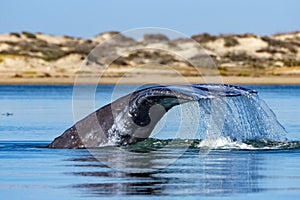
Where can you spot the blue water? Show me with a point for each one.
(41, 113)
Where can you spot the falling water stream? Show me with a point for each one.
(230, 122)
(239, 119)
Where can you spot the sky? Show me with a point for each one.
(87, 18)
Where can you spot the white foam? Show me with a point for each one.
(223, 143)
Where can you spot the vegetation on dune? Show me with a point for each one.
(204, 38)
(46, 51)
(281, 44)
(230, 41)
(239, 55)
(29, 35)
(16, 35)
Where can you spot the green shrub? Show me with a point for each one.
(230, 41)
(238, 56)
(291, 63)
(18, 76)
(270, 50)
(15, 34)
(223, 71)
(29, 72)
(29, 35)
(204, 38)
(279, 43)
(243, 74)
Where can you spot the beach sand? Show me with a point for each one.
(263, 80)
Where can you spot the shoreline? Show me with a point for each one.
(263, 80)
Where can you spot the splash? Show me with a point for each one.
(229, 121)
(152, 144)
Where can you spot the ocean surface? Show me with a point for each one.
(158, 168)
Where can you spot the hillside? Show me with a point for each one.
(28, 55)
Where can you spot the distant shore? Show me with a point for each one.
(263, 80)
(37, 58)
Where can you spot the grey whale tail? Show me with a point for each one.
(132, 118)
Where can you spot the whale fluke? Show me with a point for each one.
(132, 118)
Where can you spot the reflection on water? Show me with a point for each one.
(28, 170)
(215, 173)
